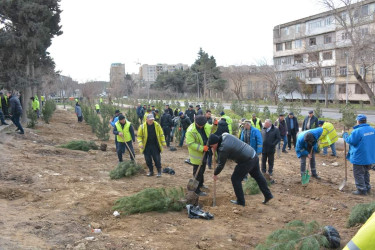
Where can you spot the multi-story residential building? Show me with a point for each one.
(117, 74)
(313, 49)
(149, 73)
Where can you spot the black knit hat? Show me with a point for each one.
(200, 120)
(213, 139)
(121, 117)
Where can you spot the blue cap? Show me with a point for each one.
(320, 122)
(361, 117)
(222, 113)
(181, 113)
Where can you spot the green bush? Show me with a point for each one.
(360, 213)
(250, 187)
(131, 115)
(151, 199)
(102, 129)
(266, 113)
(296, 235)
(295, 107)
(48, 109)
(94, 121)
(107, 110)
(280, 107)
(318, 112)
(80, 145)
(32, 116)
(349, 115)
(125, 169)
(219, 108)
(238, 108)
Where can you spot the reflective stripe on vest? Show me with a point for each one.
(352, 246)
(125, 131)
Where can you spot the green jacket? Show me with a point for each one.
(229, 122)
(35, 104)
(195, 142)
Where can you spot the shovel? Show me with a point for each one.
(131, 153)
(193, 183)
(214, 163)
(343, 184)
(306, 177)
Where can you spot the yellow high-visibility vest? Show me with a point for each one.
(365, 237)
(125, 132)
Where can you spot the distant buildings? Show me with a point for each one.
(149, 73)
(295, 44)
(117, 74)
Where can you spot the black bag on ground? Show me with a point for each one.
(332, 236)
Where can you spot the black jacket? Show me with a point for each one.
(15, 105)
(270, 139)
(185, 122)
(222, 127)
(313, 123)
(295, 122)
(166, 121)
(170, 112)
(282, 126)
(232, 148)
(200, 112)
(190, 113)
(209, 120)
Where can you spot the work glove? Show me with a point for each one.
(179, 129)
(216, 122)
(205, 148)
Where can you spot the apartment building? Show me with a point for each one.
(117, 74)
(313, 49)
(149, 73)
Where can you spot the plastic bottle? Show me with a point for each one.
(96, 230)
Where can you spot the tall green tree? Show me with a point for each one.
(26, 31)
(173, 81)
(208, 74)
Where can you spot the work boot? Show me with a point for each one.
(284, 151)
(316, 176)
(357, 192)
(150, 174)
(267, 199)
(289, 148)
(17, 129)
(159, 174)
(202, 193)
(236, 203)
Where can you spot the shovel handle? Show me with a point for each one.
(214, 167)
(131, 153)
(346, 171)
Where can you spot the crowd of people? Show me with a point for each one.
(206, 136)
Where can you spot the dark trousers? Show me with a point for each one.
(304, 159)
(362, 177)
(209, 158)
(79, 118)
(271, 158)
(16, 121)
(121, 148)
(240, 171)
(200, 176)
(2, 117)
(152, 152)
(292, 135)
(167, 134)
(5, 112)
(182, 137)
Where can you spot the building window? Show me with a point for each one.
(298, 28)
(314, 57)
(288, 45)
(287, 60)
(327, 39)
(277, 61)
(279, 46)
(328, 21)
(327, 72)
(327, 55)
(344, 36)
(364, 10)
(300, 74)
(343, 71)
(322, 89)
(298, 59)
(315, 24)
(343, 54)
(359, 89)
(362, 71)
(312, 41)
(364, 31)
(313, 73)
(314, 89)
(342, 89)
(343, 16)
(286, 31)
(298, 44)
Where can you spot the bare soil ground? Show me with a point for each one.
(49, 196)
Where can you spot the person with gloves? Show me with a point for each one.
(306, 147)
(229, 147)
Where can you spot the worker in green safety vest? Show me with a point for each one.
(228, 120)
(97, 108)
(4, 106)
(35, 105)
(124, 133)
(256, 122)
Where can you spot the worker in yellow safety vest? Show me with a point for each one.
(4, 106)
(365, 237)
(228, 120)
(35, 105)
(97, 108)
(151, 141)
(328, 137)
(124, 133)
(256, 122)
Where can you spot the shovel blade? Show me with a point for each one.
(305, 178)
(192, 185)
(342, 185)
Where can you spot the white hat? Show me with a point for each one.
(150, 117)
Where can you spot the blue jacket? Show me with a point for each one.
(256, 140)
(302, 146)
(140, 112)
(113, 122)
(362, 145)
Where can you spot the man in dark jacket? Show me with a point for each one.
(310, 121)
(140, 112)
(208, 116)
(170, 111)
(230, 147)
(222, 127)
(292, 125)
(281, 125)
(16, 112)
(199, 110)
(185, 123)
(190, 113)
(271, 137)
(166, 124)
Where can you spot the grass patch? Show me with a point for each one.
(151, 199)
(125, 169)
(250, 187)
(80, 145)
(360, 213)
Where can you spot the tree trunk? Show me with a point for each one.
(26, 94)
(365, 86)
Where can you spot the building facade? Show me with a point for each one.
(117, 74)
(313, 49)
(149, 73)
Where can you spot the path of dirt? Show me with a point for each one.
(49, 196)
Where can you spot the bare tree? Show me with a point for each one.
(237, 76)
(353, 18)
(270, 75)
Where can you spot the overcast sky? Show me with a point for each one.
(100, 32)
